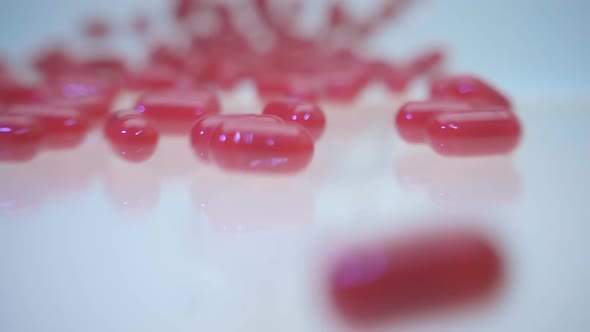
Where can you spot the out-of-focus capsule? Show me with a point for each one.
(397, 279)
(308, 115)
(467, 88)
(65, 127)
(414, 116)
(482, 132)
(93, 106)
(13, 92)
(131, 136)
(20, 137)
(80, 84)
(177, 110)
(261, 147)
(154, 78)
(202, 131)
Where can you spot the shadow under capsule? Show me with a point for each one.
(132, 189)
(485, 181)
(239, 203)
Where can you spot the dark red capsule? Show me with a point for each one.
(482, 132)
(64, 127)
(13, 92)
(131, 136)
(20, 137)
(53, 61)
(177, 110)
(261, 147)
(468, 88)
(308, 115)
(202, 131)
(413, 117)
(421, 274)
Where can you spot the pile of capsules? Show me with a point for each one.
(464, 116)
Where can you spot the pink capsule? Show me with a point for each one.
(468, 88)
(414, 116)
(177, 110)
(202, 131)
(20, 137)
(482, 132)
(65, 127)
(261, 147)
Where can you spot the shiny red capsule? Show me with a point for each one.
(424, 273)
(261, 147)
(481, 132)
(413, 117)
(467, 88)
(177, 110)
(20, 137)
(64, 127)
(308, 115)
(202, 131)
(131, 136)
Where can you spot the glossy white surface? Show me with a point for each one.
(174, 244)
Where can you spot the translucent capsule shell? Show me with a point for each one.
(261, 147)
(482, 132)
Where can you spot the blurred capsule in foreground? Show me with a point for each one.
(415, 275)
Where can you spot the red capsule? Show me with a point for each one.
(416, 275)
(20, 137)
(53, 61)
(202, 131)
(308, 115)
(64, 127)
(414, 116)
(427, 62)
(94, 107)
(177, 110)
(13, 92)
(131, 136)
(154, 78)
(273, 86)
(73, 85)
(397, 79)
(261, 147)
(97, 28)
(481, 132)
(345, 85)
(469, 89)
